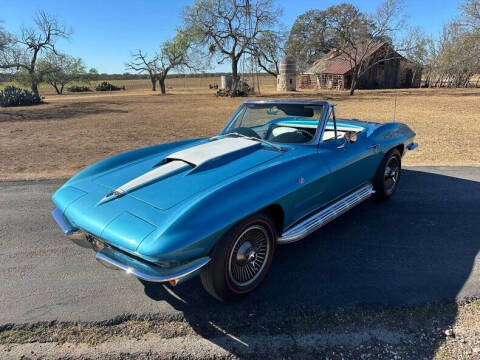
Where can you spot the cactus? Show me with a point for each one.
(106, 86)
(13, 96)
(77, 88)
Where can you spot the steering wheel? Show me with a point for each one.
(302, 131)
(245, 131)
(305, 132)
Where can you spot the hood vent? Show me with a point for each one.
(200, 154)
(215, 153)
(197, 158)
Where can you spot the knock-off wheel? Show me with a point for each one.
(388, 174)
(241, 260)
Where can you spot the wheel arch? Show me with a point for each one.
(277, 214)
(400, 148)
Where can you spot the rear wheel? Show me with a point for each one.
(241, 259)
(388, 174)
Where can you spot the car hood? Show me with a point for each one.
(164, 182)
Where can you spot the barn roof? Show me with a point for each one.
(334, 63)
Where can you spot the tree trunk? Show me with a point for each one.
(234, 74)
(56, 89)
(353, 84)
(427, 81)
(35, 87)
(352, 89)
(163, 89)
(153, 79)
(31, 71)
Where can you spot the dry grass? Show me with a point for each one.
(72, 131)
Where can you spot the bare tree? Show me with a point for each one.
(142, 64)
(455, 57)
(174, 54)
(353, 35)
(269, 50)
(471, 15)
(230, 27)
(458, 57)
(309, 38)
(25, 50)
(420, 48)
(61, 70)
(5, 38)
(357, 35)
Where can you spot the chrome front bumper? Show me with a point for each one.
(64, 224)
(115, 259)
(149, 272)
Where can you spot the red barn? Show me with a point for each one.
(387, 70)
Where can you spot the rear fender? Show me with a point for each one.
(390, 135)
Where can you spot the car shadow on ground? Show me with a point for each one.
(414, 249)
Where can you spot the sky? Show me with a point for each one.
(105, 32)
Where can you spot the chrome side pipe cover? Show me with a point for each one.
(324, 216)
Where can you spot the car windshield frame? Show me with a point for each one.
(322, 108)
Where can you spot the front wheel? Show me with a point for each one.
(388, 174)
(241, 260)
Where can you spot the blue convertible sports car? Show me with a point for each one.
(218, 206)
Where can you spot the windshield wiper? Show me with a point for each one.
(265, 142)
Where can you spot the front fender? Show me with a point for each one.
(201, 222)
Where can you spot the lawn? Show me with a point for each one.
(71, 131)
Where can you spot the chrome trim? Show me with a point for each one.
(326, 215)
(412, 146)
(63, 223)
(114, 259)
(129, 269)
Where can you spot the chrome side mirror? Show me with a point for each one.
(351, 136)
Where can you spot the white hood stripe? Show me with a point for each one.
(201, 153)
(180, 160)
(169, 168)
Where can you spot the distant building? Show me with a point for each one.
(287, 77)
(388, 70)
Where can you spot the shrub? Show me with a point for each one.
(243, 90)
(231, 93)
(13, 96)
(106, 86)
(76, 88)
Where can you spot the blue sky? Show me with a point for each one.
(106, 31)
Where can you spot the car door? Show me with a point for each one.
(350, 163)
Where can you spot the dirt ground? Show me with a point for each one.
(71, 131)
(422, 332)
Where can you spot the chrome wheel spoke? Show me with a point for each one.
(392, 171)
(249, 256)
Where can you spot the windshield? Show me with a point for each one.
(279, 123)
